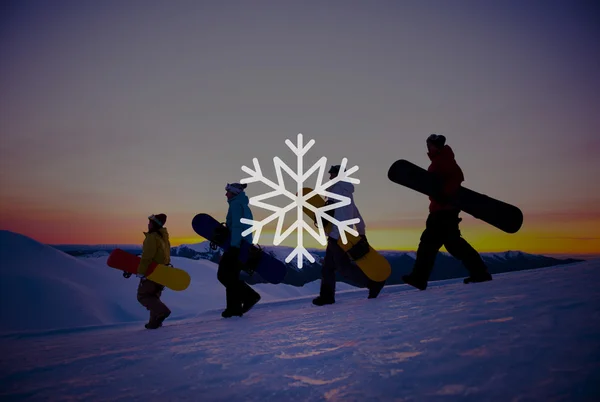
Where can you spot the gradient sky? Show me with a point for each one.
(113, 110)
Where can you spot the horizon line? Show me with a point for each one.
(482, 251)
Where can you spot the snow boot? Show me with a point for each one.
(229, 312)
(246, 306)
(161, 318)
(321, 301)
(152, 324)
(157, 321)
(478, 278)
(375, 288)
(415, 282)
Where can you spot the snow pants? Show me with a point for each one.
(336, 259)
(236, 290)
(148, 294)
(441, 229)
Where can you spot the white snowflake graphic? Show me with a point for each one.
(299, 201)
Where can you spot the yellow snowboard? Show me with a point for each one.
(315, 201)
(373, 264)
(173, 278)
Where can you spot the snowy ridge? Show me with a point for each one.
(203, 247)
(93, 247)
(55, 290)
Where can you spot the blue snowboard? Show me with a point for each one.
(252, 257)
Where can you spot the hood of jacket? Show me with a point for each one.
(446, 154)
(241, 198)
(342, 188)
(162, 232)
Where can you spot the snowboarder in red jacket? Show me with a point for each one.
(441, 228)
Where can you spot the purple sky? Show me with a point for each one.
(116, 108)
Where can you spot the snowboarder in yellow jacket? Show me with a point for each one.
(156, 248)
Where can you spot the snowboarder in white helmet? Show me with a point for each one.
(336, 258)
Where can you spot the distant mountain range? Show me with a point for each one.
(446, 266)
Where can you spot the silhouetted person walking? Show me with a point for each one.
(441, 228)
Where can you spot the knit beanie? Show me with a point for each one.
(235, 188)
(437, 140)
(159, 219)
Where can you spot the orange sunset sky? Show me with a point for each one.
(111, 112)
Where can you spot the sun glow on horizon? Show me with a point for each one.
(483, 239)
(550, 233)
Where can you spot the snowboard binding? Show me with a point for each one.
(219, 236)
(359, 250)
(254, 256)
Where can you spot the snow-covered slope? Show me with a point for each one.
(526, 336)
(44, 288)
(41, 287)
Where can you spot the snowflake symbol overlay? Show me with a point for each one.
(300, 201)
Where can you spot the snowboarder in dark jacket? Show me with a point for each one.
(156, 248)
(442, 222)
(336, 258)
(239, 295)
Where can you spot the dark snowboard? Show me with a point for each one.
(499, 214)
(252, 257)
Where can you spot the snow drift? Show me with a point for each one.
(43, 288)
